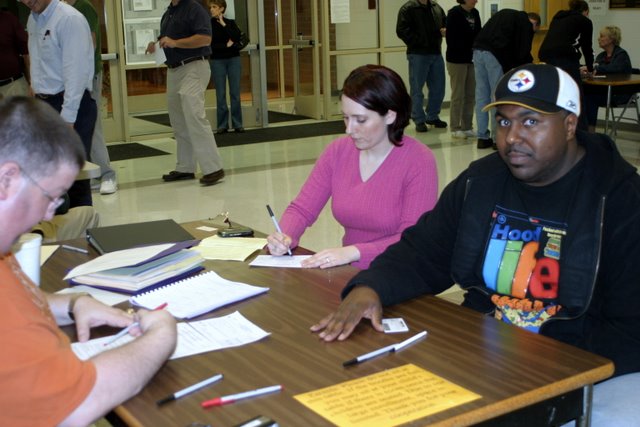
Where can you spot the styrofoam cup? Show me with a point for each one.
(27, 252)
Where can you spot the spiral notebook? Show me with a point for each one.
(197, 295)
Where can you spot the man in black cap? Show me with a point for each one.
(542, 234)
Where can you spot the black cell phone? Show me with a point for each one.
(235, 232)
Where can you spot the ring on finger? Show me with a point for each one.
(327, 260)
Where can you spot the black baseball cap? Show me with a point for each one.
(538, 87)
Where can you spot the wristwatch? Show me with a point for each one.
(72, 303)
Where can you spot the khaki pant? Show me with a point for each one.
(192, 130)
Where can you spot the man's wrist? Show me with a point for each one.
(72, 303)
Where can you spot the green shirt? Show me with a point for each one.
(88, 11)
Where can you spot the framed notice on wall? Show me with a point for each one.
(624, 4)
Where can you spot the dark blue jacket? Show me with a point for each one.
(600, 266)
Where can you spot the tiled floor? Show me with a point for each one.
(260, 174)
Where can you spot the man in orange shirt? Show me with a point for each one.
(42, 382)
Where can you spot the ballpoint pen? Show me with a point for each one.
(75, 249)
(126, 330)
(190, 389)
(275, 222)
(223, 400)
(385, 350)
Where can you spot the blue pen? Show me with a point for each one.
(278, 229)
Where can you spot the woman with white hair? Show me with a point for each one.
(612, 60)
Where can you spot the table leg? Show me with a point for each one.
(606, 114)
(585, 419)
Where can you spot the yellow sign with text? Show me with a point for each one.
(388, 398)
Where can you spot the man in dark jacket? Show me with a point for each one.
(503, 43)
(569, 33)
(543, 235)
(421, 25)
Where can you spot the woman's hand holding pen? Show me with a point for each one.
(332, 257)
(278, 243)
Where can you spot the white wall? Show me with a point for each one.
(363, 32)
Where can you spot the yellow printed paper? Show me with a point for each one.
(388, 398)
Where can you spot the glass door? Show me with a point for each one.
(112, 108)
(306, 46)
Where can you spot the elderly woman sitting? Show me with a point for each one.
(612, 60)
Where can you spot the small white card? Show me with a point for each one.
(393, 326)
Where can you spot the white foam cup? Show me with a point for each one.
(27, 252)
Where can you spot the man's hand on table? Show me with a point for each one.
(362, 302)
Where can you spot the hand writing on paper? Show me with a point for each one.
(90, 313)
(151, 48)
(278, 243)
(332, 257)
(362, 302)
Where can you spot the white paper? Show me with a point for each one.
(283, 261)
(159, 57)
(46, 251)
(228, 331)
(143, 38)
(142, 5)
(105, 297)
(229, 248)
(207, 228)
(197, 295)
(117, 259)
(340, 13)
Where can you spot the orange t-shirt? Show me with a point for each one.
(41, 380)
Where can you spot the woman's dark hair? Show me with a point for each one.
(380, 89)
(219, 3)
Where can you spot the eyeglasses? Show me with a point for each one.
(54, 202)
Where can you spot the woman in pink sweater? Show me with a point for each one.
(379, 180)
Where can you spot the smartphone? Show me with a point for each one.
(235, 232)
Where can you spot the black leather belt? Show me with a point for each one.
(47, 96)
(10, 79)
(186, 61)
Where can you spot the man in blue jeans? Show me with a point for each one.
(503, 43)
(421, 25)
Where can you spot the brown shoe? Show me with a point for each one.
(212, 178)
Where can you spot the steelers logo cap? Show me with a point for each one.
(538, 87)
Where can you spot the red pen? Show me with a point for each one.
(219, 401)
(125, 331)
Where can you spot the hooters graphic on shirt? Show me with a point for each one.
(522, 265)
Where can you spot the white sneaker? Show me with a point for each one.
(469, 133)
(108, 186)
(459, 134)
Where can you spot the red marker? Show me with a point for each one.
(219, 401)
(126, 330)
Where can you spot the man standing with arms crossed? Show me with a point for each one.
(421, 25)
(42, 382)
(61, 52)
(185, 36)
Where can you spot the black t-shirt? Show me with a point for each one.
(521, 263)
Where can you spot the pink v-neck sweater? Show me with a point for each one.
(375, 212)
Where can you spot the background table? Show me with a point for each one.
(510, 368)
(615, 84)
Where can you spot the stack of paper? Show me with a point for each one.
(197, 295)
(229, 248)
(134, 270)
